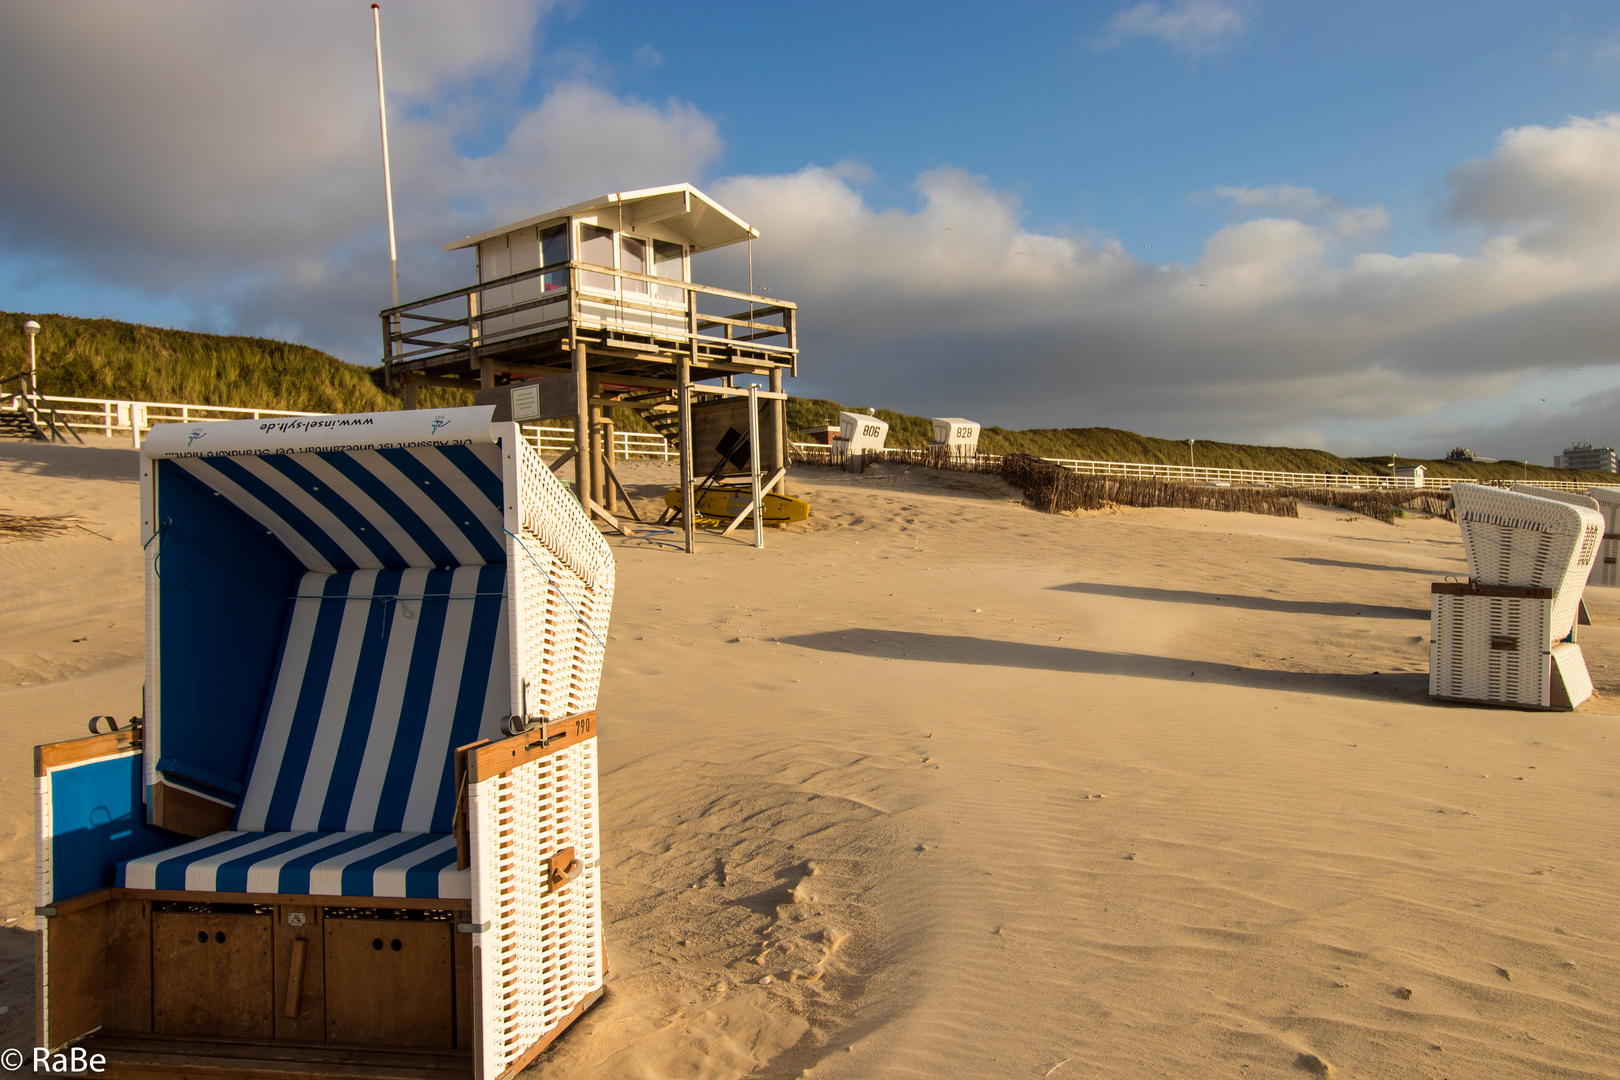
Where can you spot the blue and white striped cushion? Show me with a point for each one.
(370, 864)
(363, 509)
(382, 674)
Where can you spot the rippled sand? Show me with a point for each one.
(936, 786)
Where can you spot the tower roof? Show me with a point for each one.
(681, 208)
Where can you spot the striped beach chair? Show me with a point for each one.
(1508, 635)
(359, 817)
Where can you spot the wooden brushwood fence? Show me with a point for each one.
(1056, 490)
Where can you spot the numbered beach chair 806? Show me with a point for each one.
(358, 824)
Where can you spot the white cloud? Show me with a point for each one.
(225, 159)
(230, 154)
(1552, 189)
(1194, 27)
(1282, 198)
(1278, 326)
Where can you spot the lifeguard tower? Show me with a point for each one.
(600, 297)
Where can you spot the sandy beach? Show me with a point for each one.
(938, 786)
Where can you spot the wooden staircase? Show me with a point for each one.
(17, 424)
(658, 408)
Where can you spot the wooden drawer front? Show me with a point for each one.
(212, 975)
(390, 982)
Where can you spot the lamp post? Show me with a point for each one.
(1192, 452)
(31, 328)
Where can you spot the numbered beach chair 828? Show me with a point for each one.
(358, 825)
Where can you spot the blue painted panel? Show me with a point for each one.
(98, 821)
(223, 586)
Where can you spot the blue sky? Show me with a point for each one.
(1369, 226)
(1371, 102)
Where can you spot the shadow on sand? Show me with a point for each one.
(989, 652)
(71, 462)
(1247, 603)
(1433, 574)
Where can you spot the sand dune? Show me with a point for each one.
(939, 786)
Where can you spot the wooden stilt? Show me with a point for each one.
(407, 392)
(593, 388)
(778, 458)
(486, 373)
(683, 397)
(610, 496)
(582, 426)
(753, 463)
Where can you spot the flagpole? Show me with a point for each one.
(388, 181)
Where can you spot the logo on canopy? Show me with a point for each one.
(438, 422)
(195, 435)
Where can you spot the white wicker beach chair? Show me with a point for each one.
(1606, 567)
(1508, 635)
(359, 822)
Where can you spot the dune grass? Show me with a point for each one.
(1112, 444)
(105, 358)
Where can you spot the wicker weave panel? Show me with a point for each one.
(1606, 567)
(1570, 668)
(550, 513)
(541, 952)
(1568, 497)
(1513, 538)
(1463, 664)
(561, 575)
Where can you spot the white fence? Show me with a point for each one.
(107, 416)
(1198, 474)
(626, 444)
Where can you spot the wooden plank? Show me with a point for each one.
(128, 968)
(187, 812)
(253, 1060)
(76, 903)
(74, 751)
(74, 977)
(459, 827)
(461, 949)
(390, 982)
(525, 1059)
(600, 511)
(507, 754)
(212, 975)
(301, 1004)
(754, 501)
(385, 903)
(564, 459)
(1469, 588)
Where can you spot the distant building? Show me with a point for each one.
(1583, 455)
(1409, 476)
(1462, 453)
